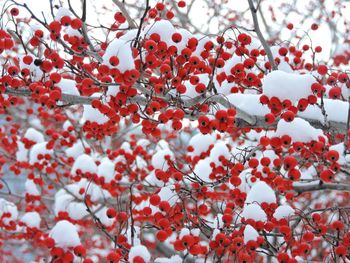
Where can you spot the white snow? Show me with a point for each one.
(34, 135)
(93, 115)
(65, 234)
(31, 188)
(172, 259)
(261, 192)
(122, 49)
(106, 170)
(203, 169)
(255, 212)
(61, 12)
(250, 234)
(85, 163)
(76, 150)
(220, 149)
(39, 148)
(159, 161)
(140, 251)
(22, 152)
(31, 219)
(8, 207)
(200, 143)
(298, 129)
(287, 85)
(248, 103)
(283, 211)
(167, 194)
(68, 86)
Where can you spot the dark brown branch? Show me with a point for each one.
(257, 30)
(321, 186)
(243, 119)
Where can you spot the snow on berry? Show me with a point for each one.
(260, 193)
(283, 211)
(294, 127)
(31, 219)
(139, 251)
(65, 234)
(287, 85)
(254, 211)
(250, 234)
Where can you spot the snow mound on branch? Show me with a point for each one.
(39, 148)
(65, 234)
(283, 65)
(65, 202)
(261, 192)
(298, 129)
(200, 143)
(93, 115)
(106, 170)
(249, 103)
(173, 259)
(250, 234)
(31, 219)
(121, 49)
(85, 164)
(167, 194)
(61, 12)
(283, 211)
(287, 85)
(31, 188)
(159, 159)
(336, 111)
(140, 251)
(255, 212)
(191, 89)
(68, 86)
(220, 149)
(76, 150)
(8, 207)
(34, 135)
(22, 152)
(164, 28)
(203, 169)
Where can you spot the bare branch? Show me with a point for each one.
(267, 49)
(321, 186)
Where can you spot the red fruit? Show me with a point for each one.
(119, 17)
(283, 51)
(76, 23)
(201, 88)
(80, 251)
(288, 116)
(154, 200)
(332, 156)
(176, 37)
(314, 26)
(162, 235)
(114, 61)
(181, 4)
(66, 20)
(335, 93)
(111, 212)
(55, 27)
(327, 175)
(290, 162)
(14, 11)
(322, 69)
(270, 118)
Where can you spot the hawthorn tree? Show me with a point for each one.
(132, 131)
